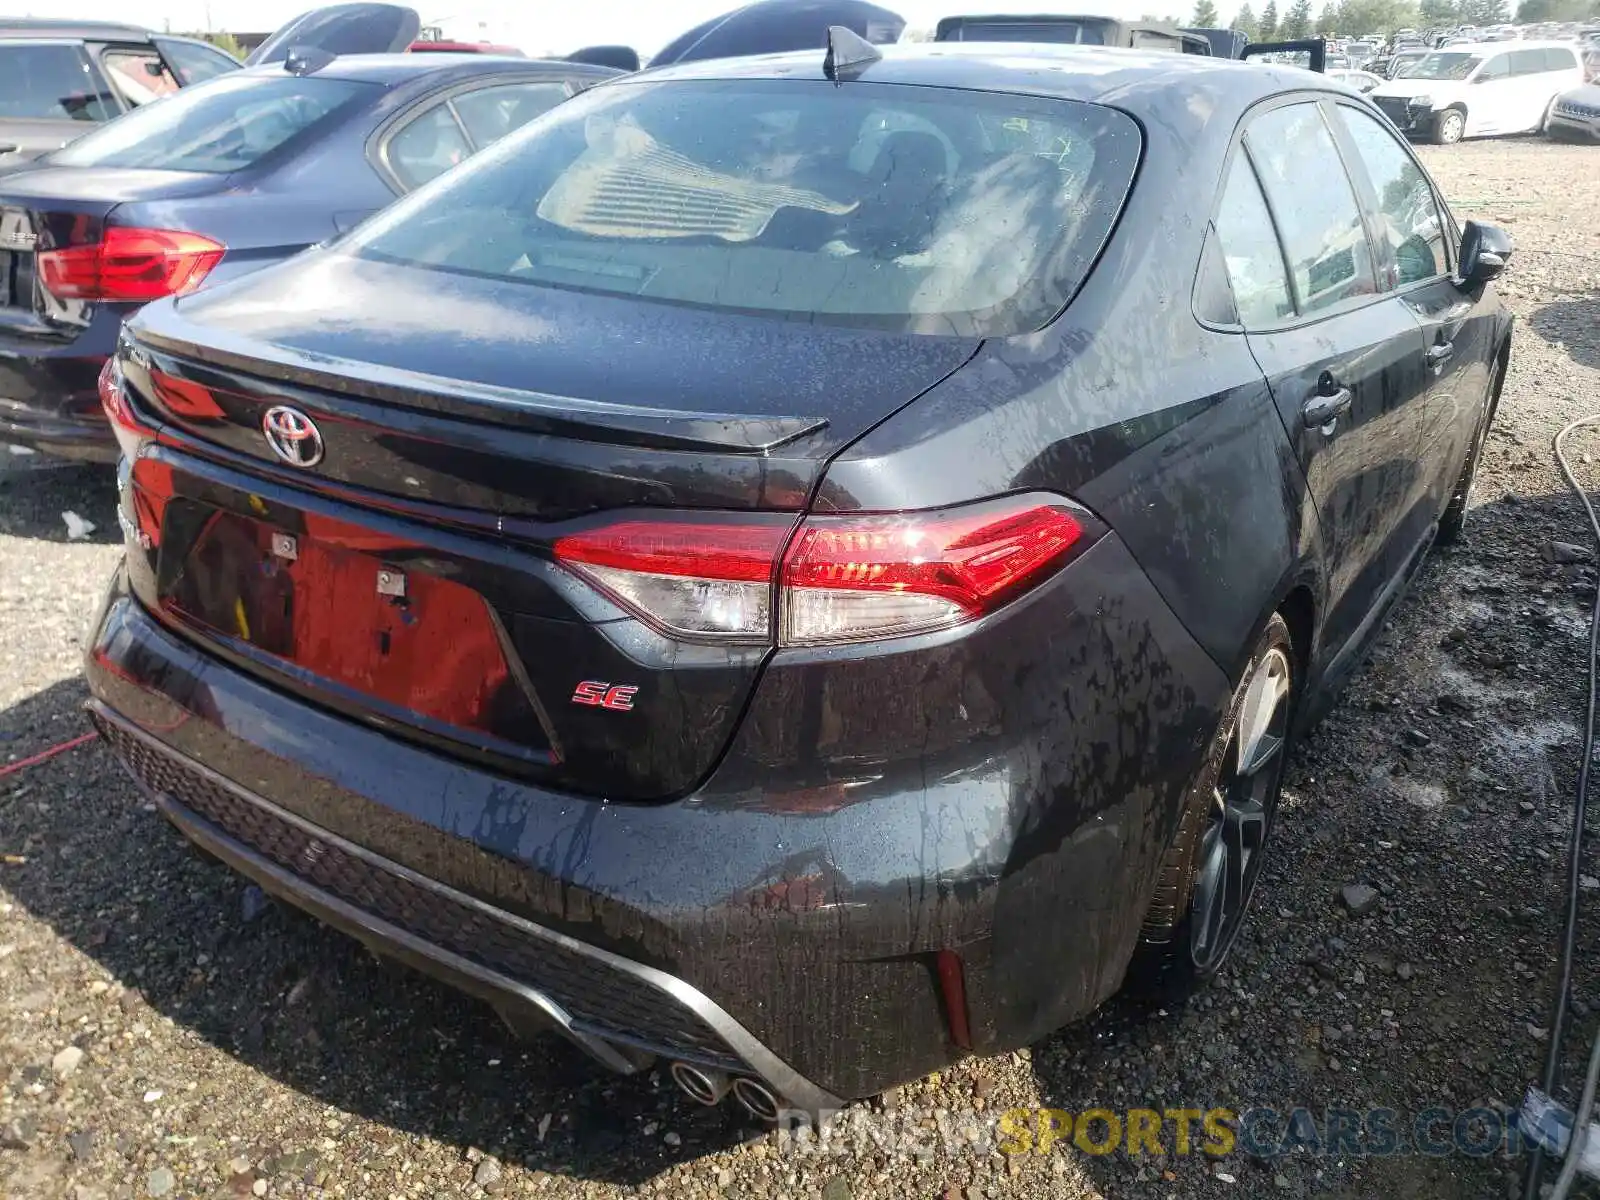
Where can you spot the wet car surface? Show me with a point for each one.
(648, 668)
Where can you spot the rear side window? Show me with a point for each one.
(1527, 62)
(912, 208)
(427, 146)
(51, 82)
(195, 62)
(491, 113)
(1559, 58)
(1250, 249)
(221, 126)
(1311, 197)
(1406, 204)
(139, 76)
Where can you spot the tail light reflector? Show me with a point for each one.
(130, 264)
(842, 579)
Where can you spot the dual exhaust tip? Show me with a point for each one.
(709, 1086)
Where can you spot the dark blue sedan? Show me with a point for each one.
(216, 181)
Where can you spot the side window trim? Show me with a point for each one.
(1249, 159)
(1380, 253)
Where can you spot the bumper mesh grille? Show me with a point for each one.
(598, 998)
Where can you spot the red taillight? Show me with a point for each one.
(125, 424)
(846, 579)
(130, 264)
(843, 579)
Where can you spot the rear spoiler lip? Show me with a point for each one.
(537, 412)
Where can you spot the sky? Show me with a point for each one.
(553, 26)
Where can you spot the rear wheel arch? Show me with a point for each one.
(1299, 612)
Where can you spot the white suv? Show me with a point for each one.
(1481, 90)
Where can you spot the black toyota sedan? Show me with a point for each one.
(802, 568)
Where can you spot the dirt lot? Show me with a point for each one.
(162, 1033)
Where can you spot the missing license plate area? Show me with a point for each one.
(328, 611)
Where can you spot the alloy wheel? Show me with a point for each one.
(1242, 805)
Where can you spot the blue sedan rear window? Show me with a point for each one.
(224, 125)
(911, 208)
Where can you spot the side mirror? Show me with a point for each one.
(1485, 253)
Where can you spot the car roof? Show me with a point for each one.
(1097, 74)
(398, 68)
(47, 28)
(1530, 44)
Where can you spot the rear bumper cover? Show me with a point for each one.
(1006, 792)
(52, 404)
(170, 779)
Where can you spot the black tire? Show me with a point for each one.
(1448, 127)
(1454, 521)
(1182, 947)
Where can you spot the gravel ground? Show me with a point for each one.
(163, 1033)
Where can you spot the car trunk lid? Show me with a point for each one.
(529, 402)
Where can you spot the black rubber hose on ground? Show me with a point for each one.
(1569, 932)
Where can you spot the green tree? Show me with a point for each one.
(1557, 10)
(1328, 20)
(1267, 27)
(1360, 17)
(1485, 12)
(1245, 22)
(1297, 22)
(1205, 15)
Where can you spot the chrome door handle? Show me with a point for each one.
(1438, 355)
(1323, 410)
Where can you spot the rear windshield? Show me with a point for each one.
(216, 127)
(908, 208)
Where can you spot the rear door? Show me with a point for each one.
(1532, 88)
(1492, 98)
(1343, 360)
(50, 93)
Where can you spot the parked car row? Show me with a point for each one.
(705, 568)
(1481, 91)
(221, 180)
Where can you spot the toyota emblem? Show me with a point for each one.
(293, 436)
